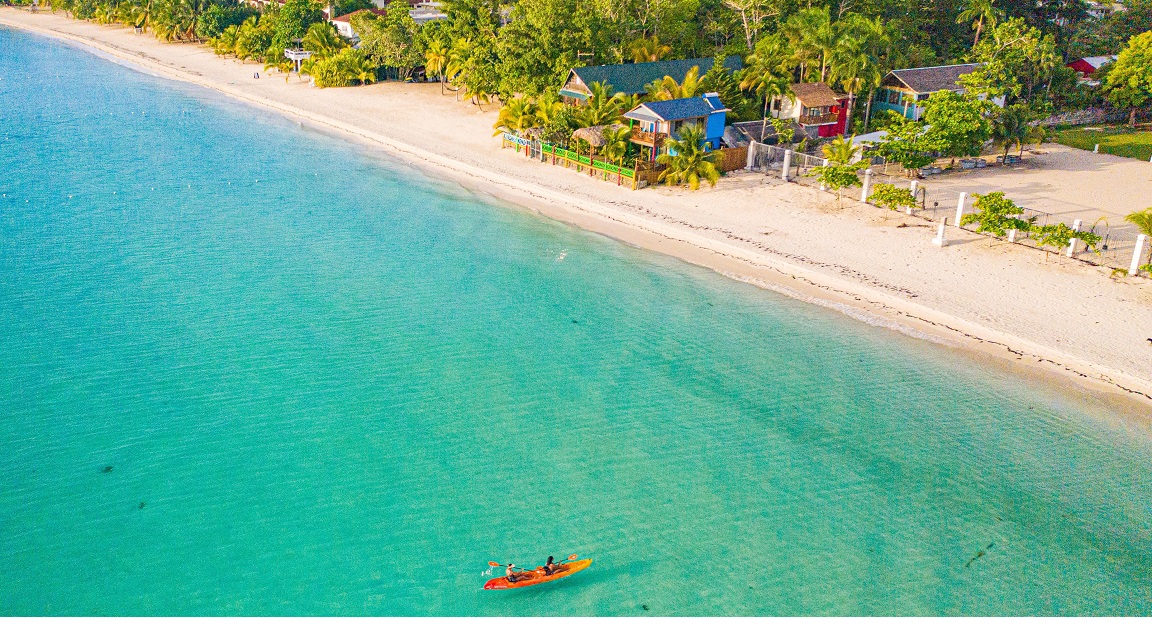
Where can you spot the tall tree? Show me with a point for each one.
(959, 126)
(1129, 83)
(753, 14)
(768, 73)
(1015, 53)
(980, 13)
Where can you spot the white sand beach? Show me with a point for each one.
(1040, 313)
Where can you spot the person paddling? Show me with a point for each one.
(512, 574)
(551, 567)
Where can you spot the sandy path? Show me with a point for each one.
(1048, 313)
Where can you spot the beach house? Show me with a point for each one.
(654, 122)
(343, 23)
(1088, 66)
(420, 12)
(821, 111)
(902, 89)
(632, 78)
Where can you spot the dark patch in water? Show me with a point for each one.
(979, 554)
(141, 506)
(644, 607)
(107, 469)
(575, 321)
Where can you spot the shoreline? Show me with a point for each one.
(794, 274)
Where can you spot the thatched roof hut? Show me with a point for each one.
(595, 135)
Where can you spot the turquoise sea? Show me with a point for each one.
(248, 368)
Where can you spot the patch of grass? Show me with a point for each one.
(1118, 141)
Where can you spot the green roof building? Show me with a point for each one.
(632, 78)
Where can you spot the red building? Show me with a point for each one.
(816, 107)
(1087, 66)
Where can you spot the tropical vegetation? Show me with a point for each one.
(487, 48)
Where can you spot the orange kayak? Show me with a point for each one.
(537, 575)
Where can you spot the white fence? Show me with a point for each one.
(1118, 239)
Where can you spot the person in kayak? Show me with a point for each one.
(551, 567)
(512, 574)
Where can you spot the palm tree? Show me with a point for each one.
(616, 143)
(322, 40)
(648, 49)
(980, 13)
(766, 82)
(687, 160)
(855, 63)
(546, 108)
(601, 108)
(436, 61)
(515, 116)
(810, 37)
(841, 150)
(668, 88)
(365, 73)
(627, 102)
(1011, 127)
(1142, 219)
(479, 97)
(458, 58)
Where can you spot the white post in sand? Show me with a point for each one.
(787, 165)
(1011, 235)
(914, 187)
(1072, 242)
(1134, 268)
(960, 208)
(750, 160)
(939, 239)
(908, 210)
(867, 184)
(822, 187)
(1096, 149)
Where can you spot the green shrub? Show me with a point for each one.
(891, 196)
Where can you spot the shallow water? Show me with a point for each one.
(250, 369)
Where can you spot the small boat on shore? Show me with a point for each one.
(537, 575)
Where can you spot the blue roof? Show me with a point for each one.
(680, 109)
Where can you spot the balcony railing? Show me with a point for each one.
(648, 138)
(827, 118)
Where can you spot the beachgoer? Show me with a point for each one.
(550, 567)
(511, 573)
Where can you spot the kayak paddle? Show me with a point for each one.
(497, 564)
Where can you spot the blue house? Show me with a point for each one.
(654, 122)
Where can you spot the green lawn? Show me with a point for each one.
(1118, 141)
